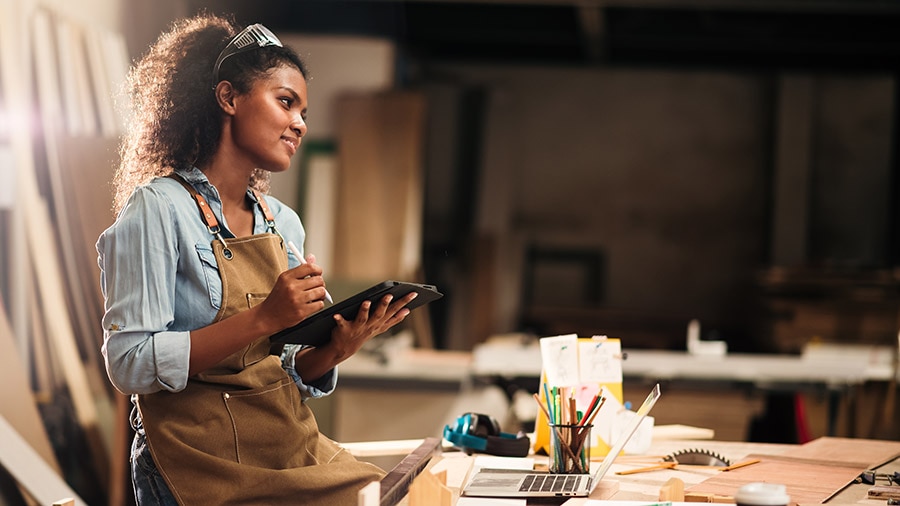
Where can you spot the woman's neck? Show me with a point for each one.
(230, 181)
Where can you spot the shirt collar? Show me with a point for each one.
(198, 179)
(192, 175)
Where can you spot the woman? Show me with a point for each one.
(196, 276)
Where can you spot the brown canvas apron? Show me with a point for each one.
(239, 433)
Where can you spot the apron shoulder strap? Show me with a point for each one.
(263, 206)
(267, 213)
(205, 212)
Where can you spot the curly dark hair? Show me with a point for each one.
(175, 121)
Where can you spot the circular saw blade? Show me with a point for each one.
(698, 456)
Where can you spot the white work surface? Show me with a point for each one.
(832, 366)
(825, 365)
(831, 369)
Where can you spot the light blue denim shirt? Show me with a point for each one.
(160, 281)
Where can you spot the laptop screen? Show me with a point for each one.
(511, 483)
(626, 434)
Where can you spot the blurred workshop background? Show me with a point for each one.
(596, 167)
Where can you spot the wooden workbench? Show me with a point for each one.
(644, 487)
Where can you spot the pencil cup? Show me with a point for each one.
(570, 449)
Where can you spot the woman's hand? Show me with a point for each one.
(350, 335)
(298, 293)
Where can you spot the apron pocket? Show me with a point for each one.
(266, 430)
(255, 298)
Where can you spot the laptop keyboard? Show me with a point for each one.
(550, 482)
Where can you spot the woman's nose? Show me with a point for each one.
(299, 127)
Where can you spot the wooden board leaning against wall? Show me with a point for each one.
(379, 195)
(60, 164)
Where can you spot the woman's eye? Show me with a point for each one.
(286, 101)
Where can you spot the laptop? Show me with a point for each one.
(517, 483)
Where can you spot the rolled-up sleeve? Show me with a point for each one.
(143, 363)
(138, 257)
(319, 388)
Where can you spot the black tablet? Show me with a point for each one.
(316, 329)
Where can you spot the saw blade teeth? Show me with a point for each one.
(709, 456)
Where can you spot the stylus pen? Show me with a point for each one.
(297, 254)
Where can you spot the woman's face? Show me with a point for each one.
(270, 119)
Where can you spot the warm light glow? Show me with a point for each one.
(5, 124)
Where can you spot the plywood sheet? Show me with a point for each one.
(806, 482)
(866, 453)
(812, 472)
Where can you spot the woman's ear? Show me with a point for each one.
(225, 94)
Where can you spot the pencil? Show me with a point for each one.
(549, 411)
(297, 254)
(740, 464)
(664, 465)
(589, 410)
(543, 408)
(596, 410)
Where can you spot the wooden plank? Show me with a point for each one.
(74, 179)
(73, 182)
(13, 62)
(31, 471)
(87, 161)
(379, 186)
(369, 495)
(59, 329)
(67, 183)
(47, 81)
(395, 484)
(102, 88)
(45, 376)
(77, 92)
(430, 490)
(42, 249)
(884, 492)
(17, 403)
(379, 193)
(672, 490)
(117, 63)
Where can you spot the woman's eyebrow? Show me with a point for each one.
(291, 91)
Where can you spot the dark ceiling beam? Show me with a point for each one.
(861, 6)
(741, 34)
